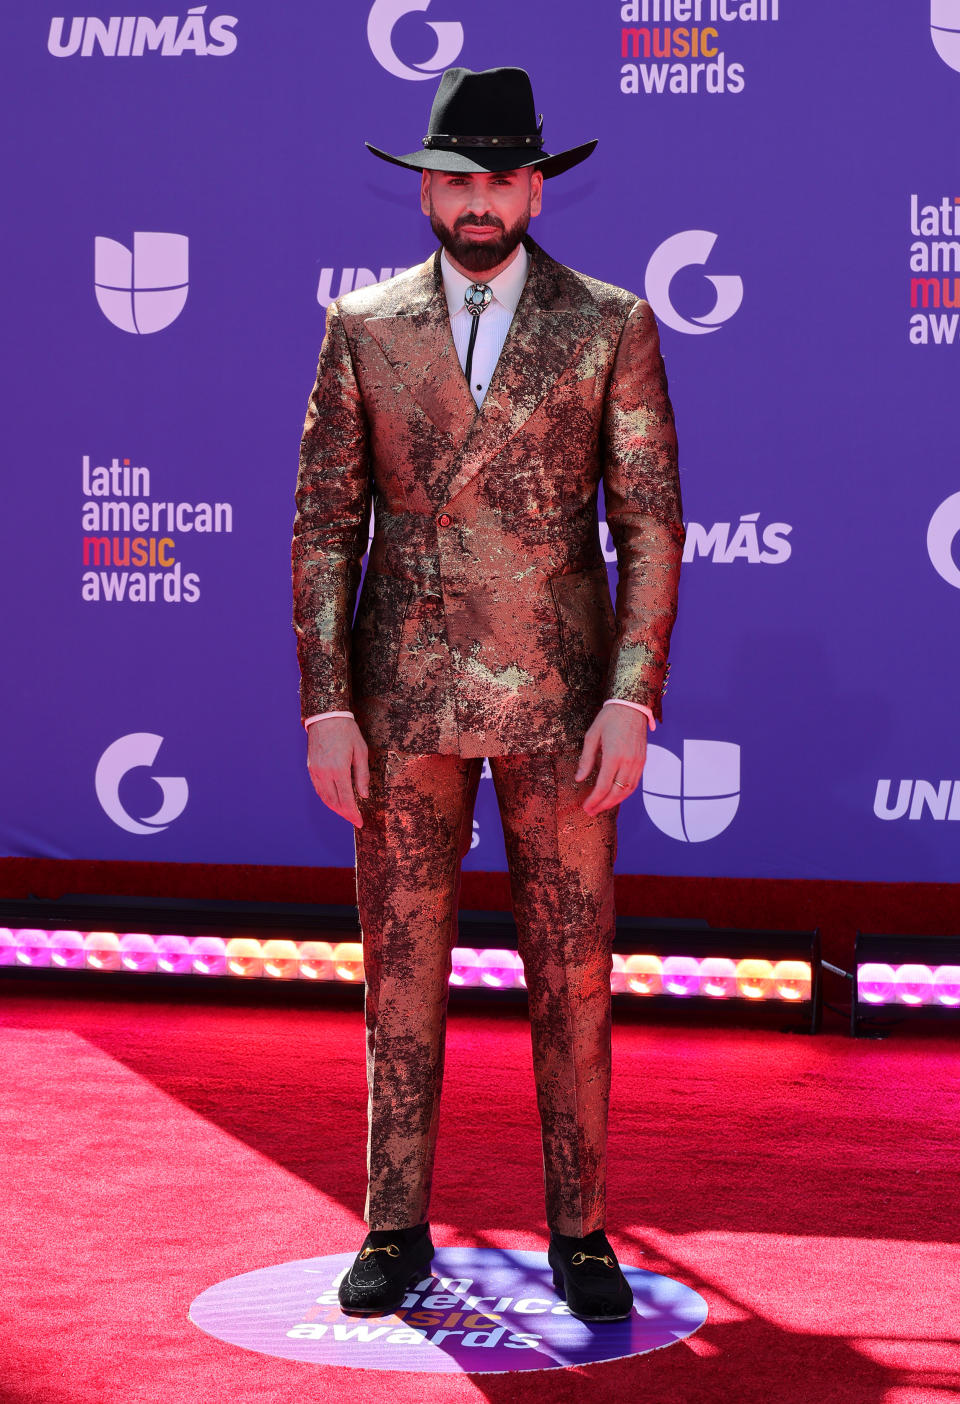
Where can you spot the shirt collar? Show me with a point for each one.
(506, 286)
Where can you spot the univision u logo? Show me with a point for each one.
(695, 796)
(142, 288)
(945, 30)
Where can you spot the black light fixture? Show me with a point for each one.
(903, 974)
(663, 962)
(670, 962)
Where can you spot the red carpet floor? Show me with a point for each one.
(808, 1188)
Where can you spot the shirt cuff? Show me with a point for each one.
(637, 707)
(319, 716)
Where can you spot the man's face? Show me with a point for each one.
(480, 218)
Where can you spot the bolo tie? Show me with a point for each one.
(477, 299)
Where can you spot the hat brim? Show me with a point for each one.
(487, 159)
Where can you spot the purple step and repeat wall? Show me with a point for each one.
(186, 192)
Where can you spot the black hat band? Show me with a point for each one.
(443, 142)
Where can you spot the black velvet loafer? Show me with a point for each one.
(587, 1276)
(387, 1263)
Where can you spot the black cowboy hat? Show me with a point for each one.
(485, 122)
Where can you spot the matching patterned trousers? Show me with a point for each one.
(417, 826)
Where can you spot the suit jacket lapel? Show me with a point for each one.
(418, 343)
(550, 325)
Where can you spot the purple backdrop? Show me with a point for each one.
(786, 202)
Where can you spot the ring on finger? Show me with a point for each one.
(622, 784)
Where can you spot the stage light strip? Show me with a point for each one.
(244, 957)
(912, 985)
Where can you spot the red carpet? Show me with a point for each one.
(807, 1187)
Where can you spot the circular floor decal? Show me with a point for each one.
(482, 1310)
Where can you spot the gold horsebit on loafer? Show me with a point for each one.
(391, 1250)
(579, 1258)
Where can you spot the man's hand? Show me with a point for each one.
(337, 760)
(619, 736)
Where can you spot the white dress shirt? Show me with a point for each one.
(494, 321)
(494, 324)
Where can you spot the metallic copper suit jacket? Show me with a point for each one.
(485, 625)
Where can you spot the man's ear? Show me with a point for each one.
(536, 192)
(425, 191)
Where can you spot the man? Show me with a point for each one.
(479, 400)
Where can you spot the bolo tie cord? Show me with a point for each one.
(474, 324)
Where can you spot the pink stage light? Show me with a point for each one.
(348, 961)
(914, 984)
(67, 950)
(465, 969)
(138, 951)
(718, 977)
(640, 974)
(316, 960)
(281, 960)
(792, 980)
(644, 974)
(174, 956)
(876, 983)
(103, 950)
(501, 970)
(208, 955)
(919, 984)
(946, 985)
(755, 979)
(681, 976)
(244, 957)
(33, 947)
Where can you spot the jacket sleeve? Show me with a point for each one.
(644, 512)
(331, 525)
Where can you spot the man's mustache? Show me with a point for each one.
(479, 221)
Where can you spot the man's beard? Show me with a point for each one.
(479, 257)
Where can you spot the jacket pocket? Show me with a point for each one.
(587, 627)
(377, 633)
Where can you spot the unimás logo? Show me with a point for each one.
(724, 543)
(133, 36)
(138, 751)
(693, 798)
(941, 534)
(383, 18)
(689, 248)
(142, 289)
(350, 279)
(945, 30)
(745, 540)
(941, 800)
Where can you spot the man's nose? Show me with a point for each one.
(479, 202)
